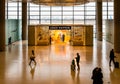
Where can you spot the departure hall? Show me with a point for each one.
(40, 41)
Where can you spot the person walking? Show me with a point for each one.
(78, 60)
(32, 58)
(112, 56)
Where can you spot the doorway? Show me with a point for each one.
(60, 36)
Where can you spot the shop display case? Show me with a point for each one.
(82, 35)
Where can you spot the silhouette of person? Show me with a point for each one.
(94, 71)
(32, 58)
(63, 37)
(73, 65)
(78, 60)
(9, 40)
(97, 76)
(50, 39)
(112, 56)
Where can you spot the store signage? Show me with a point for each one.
(59, 27)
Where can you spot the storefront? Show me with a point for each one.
(67, 34)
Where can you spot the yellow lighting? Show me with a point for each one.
(60, 36)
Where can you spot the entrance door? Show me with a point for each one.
(60, 36)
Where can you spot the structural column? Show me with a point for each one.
(117, 26)
(99, 19)
(2, 25)
(24, 21)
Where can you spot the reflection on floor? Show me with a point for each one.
(53, 64)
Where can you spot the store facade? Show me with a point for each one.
(54, 34)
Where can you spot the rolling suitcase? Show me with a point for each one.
(116, 64)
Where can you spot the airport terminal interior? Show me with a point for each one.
(57, 30)
(53, 64)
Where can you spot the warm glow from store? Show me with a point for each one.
(57, 36)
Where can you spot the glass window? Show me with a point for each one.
(66, 22)
(79, 17)
(45, 13)
(45, 21)
(12, 17)
(90, 17)
(104, 4)
(90, 8)
(34, 8)
(78, 21)
(89, 22)
(13, 8)
(104, 8)
(67, 8)
(67, 13)
(56, 13)
(78, 13)
(90, 4)
(45, 8)
(59, 8)
(12, 13)
(55, 18)
(110, 8)
(45, 17)
(12, 4)
(67, 17)
(90, 13)
(56, 22)
(34, 13)
(34, 17)
(34, 21)
(78, 8)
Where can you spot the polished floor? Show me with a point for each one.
(53, 64)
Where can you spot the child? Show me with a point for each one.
(73, 65)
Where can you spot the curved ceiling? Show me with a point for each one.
(59, 2)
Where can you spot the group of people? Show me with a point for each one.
(77, 62)
(97, 76)
(96, 73)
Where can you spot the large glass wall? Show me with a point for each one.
(77, 14)
(13, 22)
(108, 12)
(13, 10)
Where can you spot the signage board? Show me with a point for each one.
(59, 27)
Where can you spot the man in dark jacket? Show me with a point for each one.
(112, 56)
(78, 60)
